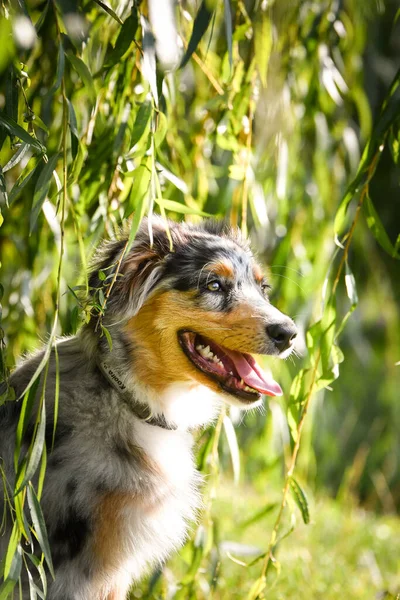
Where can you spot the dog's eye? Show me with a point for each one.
(214, 286)
(265, 288)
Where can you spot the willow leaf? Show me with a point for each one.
(377, 229)
(14, 129)
(300, 498)
(200, 26)
(42, 189)
(40, 526)
(84, 74)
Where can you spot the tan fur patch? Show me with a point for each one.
(109, 532)
(258, 274)
(222, 267)
(110, 527)
(158, 357)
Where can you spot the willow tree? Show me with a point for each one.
(252, 111)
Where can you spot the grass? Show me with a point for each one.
(345, 552)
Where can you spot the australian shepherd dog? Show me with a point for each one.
(187, 309)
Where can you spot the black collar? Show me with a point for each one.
(142, 411)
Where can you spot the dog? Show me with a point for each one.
(186, 306)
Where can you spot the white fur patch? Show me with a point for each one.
(188, 405)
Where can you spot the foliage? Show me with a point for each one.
(263, 122)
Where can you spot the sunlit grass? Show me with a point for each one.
(344, 553)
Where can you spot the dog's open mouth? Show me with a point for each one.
(236, 372)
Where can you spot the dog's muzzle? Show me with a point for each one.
(282, 335)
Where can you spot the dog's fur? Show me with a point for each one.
(121, 484)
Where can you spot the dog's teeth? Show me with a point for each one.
(199, 347)
(216, 359)
(248, 389)
(206, 353)
(220, 363)
(242, 382)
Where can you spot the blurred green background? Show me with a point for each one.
(258, 112)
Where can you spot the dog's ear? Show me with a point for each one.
(133, 273)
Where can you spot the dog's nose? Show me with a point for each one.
(282, 334)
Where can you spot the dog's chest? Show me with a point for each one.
(157, 523)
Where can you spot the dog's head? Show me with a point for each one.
(196, 312)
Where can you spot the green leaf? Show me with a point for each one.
(300, 499)
(200, 26)
(142, 123)
(14, 129)
(42, 189)
(21, 182)
(228, 29)
(16, 158)
(292, 418)
(340, 217)
(24, 417)
(7, 43)
(24, 526)
(351, 287)
(139, 187)
(16, 565)
(110, 11)
(389, 114)
(40, 526)
(11, 104)
(203, 454)
(73, 126)
(77, 148)
(3, 188)
(11, 552)
(162, 128)
(55, 414)
(6, 588)
(140, 211)
(108, 337)
(42, 573)
(36, 452)
(298, 388)
(337, 355)
(78, 163)
(41, 19)
(199, 552)
(262, 44)
(75, 319)
(125, 38)
(60, 68)
(394, 140)
(257, 588)
(378, 231)
(177, 207)
(37, 122)
(84, 74)
(259, 515)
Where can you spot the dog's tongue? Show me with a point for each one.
(253, 374)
